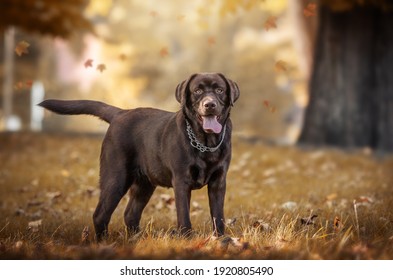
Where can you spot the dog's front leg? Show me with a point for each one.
(216, 192)
(182, 200)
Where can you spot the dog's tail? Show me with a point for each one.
(78, 107)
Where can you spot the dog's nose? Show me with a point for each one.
(210, 104)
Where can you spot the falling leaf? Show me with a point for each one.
(308, 220)
(153, 13)
(270, 23)
(123, 57)
(164, 52)
(88, 63)
(18, 86)
(101, 67)
(310, 10)
(211, 40)
(281, 66)
(85, 235)
(34, 225)
(29, 83)
(65, 173)
(21, 48)
(180, 17)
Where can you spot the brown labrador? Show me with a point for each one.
(145, 147)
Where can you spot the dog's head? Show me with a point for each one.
(208, 98)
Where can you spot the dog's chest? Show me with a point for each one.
(201, 174)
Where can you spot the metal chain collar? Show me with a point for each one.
(198, 145)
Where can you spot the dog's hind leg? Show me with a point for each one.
(140, 194)
(114, 184)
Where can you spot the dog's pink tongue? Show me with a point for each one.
(210, 124)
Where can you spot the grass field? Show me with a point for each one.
(281, 203)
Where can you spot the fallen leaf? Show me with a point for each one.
(18, 244)
(272, 109)
(21, 48)
(101, 67)
(266, 103)
(34, 225)
(85, 235)
(337, 224)
(281, 66)
(231, 222)
(310, 10)
(270, 23)
(261, 225)
(53, 195)
(164, 52)
(88, 63)
(34, 203)
(308, 220)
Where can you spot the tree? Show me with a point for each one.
(351, 85)
(56, 18)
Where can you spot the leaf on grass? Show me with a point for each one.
(261, 225)
(337, 224)
(364, 200)
(270, 23)
(53, 195)
(308, 220)
(310, 10)
(164, 52)
(281, 66)
(18, 244)
(231, 222)
(21, 48)
(88, 63)
(85, 236)
(34, 203)
(101, 67)
(34, 226)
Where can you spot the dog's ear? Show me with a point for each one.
(234, 92)
(182, 88)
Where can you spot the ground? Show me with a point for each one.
(281, 203)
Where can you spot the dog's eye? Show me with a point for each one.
(219, 90)
(198, 91)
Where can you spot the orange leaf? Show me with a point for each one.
(337, 225)
(266, 103)
(123, 57)
(153, 13)
(211, 40)
(281, 66)
(181, 17)
(270, 23)
(310, 10)
(29, 83)
(21, 48)
(101, 67)
(88, 63)
(164, 52)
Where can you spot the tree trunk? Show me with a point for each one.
(351, 86)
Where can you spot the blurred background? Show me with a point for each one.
(133, 53)
(146, 48)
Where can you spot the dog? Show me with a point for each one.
(145, 147)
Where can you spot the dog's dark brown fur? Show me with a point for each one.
(146, 147)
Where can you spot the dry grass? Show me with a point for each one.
(48, 194)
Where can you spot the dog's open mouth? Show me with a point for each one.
(210, 123)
